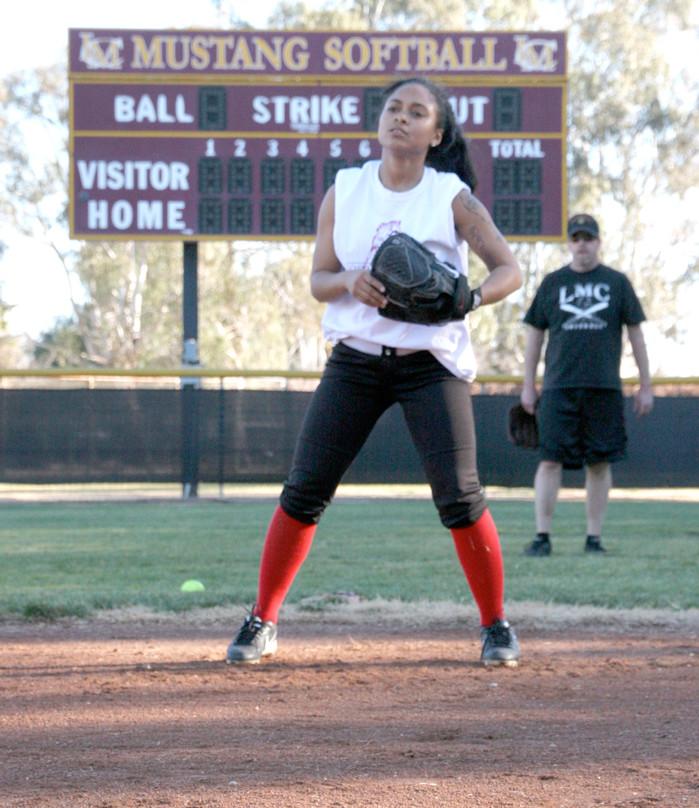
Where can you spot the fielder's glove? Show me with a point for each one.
(420, 288)
(521, 428)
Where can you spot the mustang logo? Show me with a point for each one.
(101, 53)
(535, 55)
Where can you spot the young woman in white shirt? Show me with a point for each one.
(422, 185)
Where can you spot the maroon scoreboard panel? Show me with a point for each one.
(194, 135)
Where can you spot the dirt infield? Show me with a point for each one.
(138, 713)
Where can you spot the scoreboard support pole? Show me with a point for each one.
(190, 385)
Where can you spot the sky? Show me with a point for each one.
(23, 44)
(27, 265)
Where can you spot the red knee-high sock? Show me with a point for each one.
(478, 549)
(286, 546)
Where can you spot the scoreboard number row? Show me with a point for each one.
(238, 213)
(510, 216)
(276, 175)
(335, 148)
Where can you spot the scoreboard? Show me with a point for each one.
(194, 135)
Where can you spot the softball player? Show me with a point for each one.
(421, 186)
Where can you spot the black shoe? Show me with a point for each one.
(256, 639)
(594, 545)
(541, 546)
(500, 646)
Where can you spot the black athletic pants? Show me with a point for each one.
(356, 389)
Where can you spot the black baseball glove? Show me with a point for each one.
(522, 429)
(420, 288)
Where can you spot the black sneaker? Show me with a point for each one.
(541, 546)
(256, 639)
(594, 545)
(500, 646)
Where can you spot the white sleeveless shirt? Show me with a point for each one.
(366, 212)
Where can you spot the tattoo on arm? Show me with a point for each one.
(474, 234)
(472, 205)
(475, 238)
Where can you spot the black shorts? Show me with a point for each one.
(581, 426)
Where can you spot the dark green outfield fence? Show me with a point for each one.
(198, 434)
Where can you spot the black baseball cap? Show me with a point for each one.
(583, 223)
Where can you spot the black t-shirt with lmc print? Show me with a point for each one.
(584, 313)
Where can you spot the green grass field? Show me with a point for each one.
(73, 558)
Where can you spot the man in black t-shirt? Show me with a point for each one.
(583, 307)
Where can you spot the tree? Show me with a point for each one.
(10, 349)
(34, 161)
(127, 296)
(632, 152)
(258, 309)
(634, 143)
(633, 136)
(61, 347)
